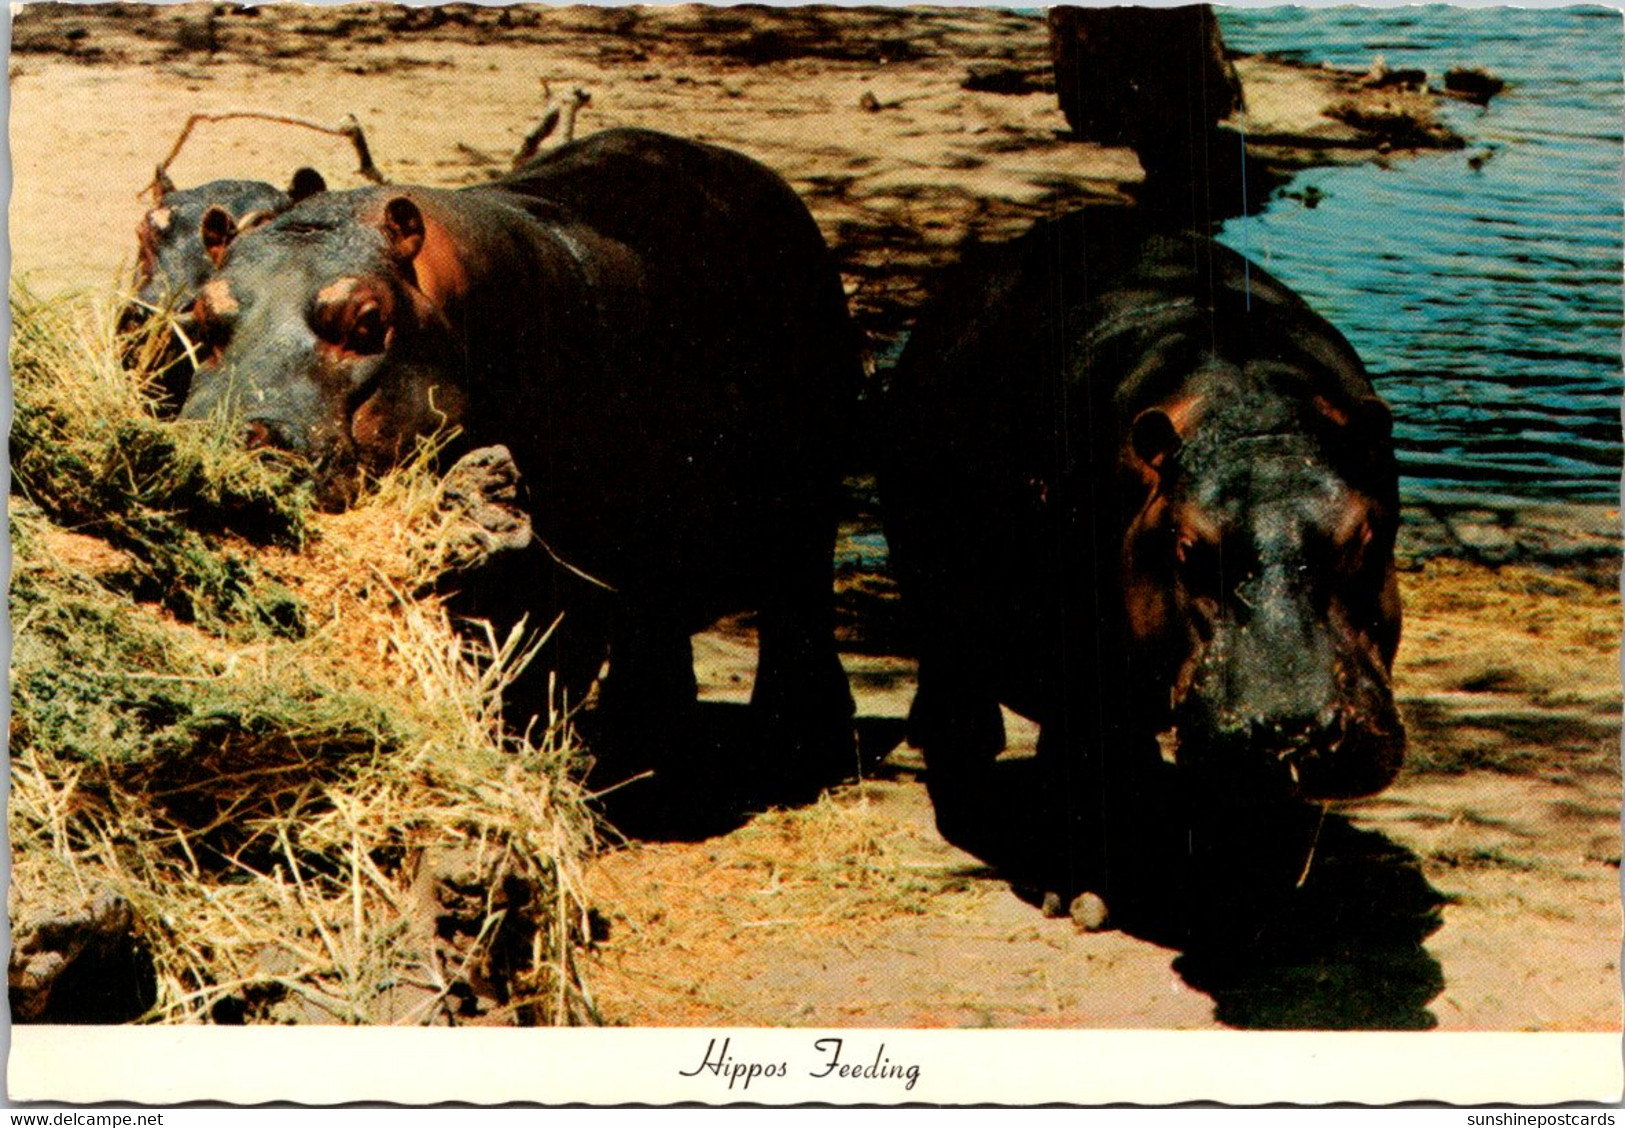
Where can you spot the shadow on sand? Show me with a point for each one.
(1342, 952)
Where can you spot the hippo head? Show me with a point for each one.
(324, 333)
(172, 263)
(1260, 584)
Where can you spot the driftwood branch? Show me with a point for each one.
(554, 116)
(349, 128)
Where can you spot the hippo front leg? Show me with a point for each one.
(955, 721)
(647, 701)
(801, 698)
(1120, 837)
(1043, 822)
(1074, 814)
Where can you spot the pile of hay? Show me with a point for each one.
(256, 776)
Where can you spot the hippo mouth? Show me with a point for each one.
(1342, 760)
(339, 478)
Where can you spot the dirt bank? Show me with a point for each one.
(1480, 892)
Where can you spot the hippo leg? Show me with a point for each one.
(1072, 813)
(647, 701)
(1108, 820)
(956, 722)
(1045, 823)
(649, 757)
(645, 714)
(578, 646)
(560, 677)
(511, 588)
(801, 697)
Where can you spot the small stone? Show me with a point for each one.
(1490, 541)
(1473, 83)
(1053, 905)
(1088, 912)
(869, 103)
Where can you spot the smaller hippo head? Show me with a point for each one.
(172, 262)
(1260, 584)
(325, 333)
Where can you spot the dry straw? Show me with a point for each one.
(256, 773)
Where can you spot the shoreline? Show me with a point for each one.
(909, 133)
(1582, 540)
(1578, 538)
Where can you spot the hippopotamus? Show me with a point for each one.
(172, 262)
(1142, 494)
(655, 330)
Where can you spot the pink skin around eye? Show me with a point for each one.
(351, 318)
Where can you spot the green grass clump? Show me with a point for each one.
(88, 448)
(99, 681)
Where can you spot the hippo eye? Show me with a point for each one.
(358, 326)
(1354, 549)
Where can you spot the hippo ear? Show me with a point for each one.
(1373, 418)
(217, 230)
(306, 182)
(161, 184)
(403, 225)
(1366, 418)
(1155, 437)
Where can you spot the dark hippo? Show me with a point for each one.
(656, 331)
(1142, 494)
(172, 262)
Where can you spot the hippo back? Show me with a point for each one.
(752, 348)
(980, 467)
(725, 240)
(652, 326)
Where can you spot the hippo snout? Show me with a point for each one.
(1338, 754)
(1342, 751)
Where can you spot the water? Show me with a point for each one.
(1486, 304)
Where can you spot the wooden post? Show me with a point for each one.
(1141, 77)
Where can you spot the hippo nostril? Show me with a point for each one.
(262, 433)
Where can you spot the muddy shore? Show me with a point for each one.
(1479, 892)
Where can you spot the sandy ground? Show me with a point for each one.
(1480, 892)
